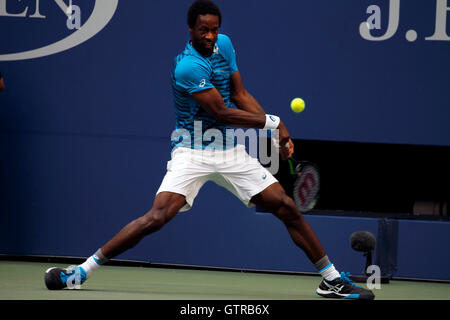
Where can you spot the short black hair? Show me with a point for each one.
(202, 7)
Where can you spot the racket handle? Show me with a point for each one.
(292, 164)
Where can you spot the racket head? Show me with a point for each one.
(306, 186)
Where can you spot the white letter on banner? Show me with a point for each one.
(4, 13)
(394, 17)
(440, 32)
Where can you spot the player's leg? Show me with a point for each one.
(254, 184)
(274, 199)
(165, 206)
(181, 184)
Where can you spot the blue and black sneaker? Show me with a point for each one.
(58, 278)
(343, 288)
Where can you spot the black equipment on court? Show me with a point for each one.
(364, 241)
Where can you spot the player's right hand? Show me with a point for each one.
(286, 144)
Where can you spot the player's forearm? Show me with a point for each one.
(244, 119)
(241, 118)
(211, 101)
(247, 102)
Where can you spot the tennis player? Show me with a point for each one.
(206, 81)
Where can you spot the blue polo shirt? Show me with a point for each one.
(192, 73)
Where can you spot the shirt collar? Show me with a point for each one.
(190, 48)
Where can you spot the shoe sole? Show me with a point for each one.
(335, 295)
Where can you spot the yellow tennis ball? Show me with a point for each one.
(297, 105)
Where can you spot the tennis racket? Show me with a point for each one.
(306, 185)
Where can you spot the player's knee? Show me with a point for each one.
(287, 210)
(154, 220)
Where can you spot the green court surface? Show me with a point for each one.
(24, 281)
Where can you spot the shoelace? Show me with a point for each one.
(345, 276)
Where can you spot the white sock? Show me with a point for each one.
(90, 265)
(329, 272)
(94, 262)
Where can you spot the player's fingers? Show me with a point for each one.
(291, 148)
(285, 151)
(291, 152)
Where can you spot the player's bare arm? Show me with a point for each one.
(211, 101)
(241, 97)
(245, 101)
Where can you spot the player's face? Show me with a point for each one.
(204, 34)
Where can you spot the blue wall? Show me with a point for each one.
(422, 249)
(82, 153)
(356, 90)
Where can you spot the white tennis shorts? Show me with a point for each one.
(233, 169)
